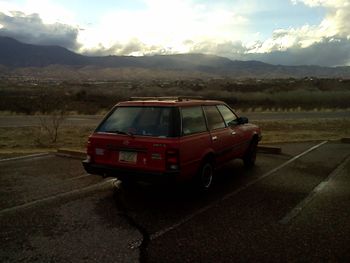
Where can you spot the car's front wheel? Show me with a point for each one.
(250, 156)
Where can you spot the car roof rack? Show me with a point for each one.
(177, 98)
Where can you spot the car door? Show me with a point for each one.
(195, 139)
(236, 140)
(219, 132)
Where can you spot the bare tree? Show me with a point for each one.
(52, 110)
(51, 123)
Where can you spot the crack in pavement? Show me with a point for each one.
(140, 244)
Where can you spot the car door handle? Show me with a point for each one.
(214, 138)
(233, 133)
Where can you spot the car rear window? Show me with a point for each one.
(146, 121)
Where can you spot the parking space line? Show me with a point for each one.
(297, 210)
(274, 170)
(106, 184)
(31, 156)
(200, 211)
(83, 175)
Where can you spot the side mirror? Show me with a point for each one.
(242, 120)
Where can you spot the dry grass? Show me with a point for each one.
(304, 130)
(27, 140)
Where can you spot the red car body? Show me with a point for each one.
(186, 134)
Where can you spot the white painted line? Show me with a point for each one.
(296, 210)
(107, 184)
(31, 156)
(274, 170)
(18, 126)
(77, 177)
(189, 217)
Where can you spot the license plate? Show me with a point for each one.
(129, 157)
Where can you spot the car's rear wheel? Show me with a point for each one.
(128, 183)
(205, 176)
(250, 156)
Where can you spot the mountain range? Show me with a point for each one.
(20, 59)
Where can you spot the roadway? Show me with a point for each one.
(93, 120)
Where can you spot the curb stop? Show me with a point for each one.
(71, 154)
(269, 149)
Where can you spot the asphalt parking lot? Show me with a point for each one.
(292, 206)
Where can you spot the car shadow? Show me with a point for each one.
(157, 206)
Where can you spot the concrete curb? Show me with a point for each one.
(71, 154)
(269, 149)
(345, 140)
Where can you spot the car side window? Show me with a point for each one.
(192, 120)
(229, 117)
(214, 118)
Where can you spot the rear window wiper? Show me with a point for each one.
(120, 132)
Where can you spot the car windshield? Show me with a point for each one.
(146, 121)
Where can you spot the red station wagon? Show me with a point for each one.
(170, 138)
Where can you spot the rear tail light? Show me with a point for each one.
(89, 151)
(172, 159)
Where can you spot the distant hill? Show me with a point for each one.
(16, 54)
(58, 62)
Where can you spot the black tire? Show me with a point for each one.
(250, 156)
(128, 183)
(205, 176)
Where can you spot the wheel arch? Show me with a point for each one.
(255, 137)
(208, 156)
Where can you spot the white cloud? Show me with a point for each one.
(48, 10)
(134, 47)
(167, 24)
(326, 44)
(31, 29)
(334, 25)
(232, 49)
(326, 3)
(39, 22)
(328, 52)
(337, 18)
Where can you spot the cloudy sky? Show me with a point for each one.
(288, 32)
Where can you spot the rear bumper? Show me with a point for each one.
(131, 175)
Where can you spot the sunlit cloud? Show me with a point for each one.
(167, 24)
